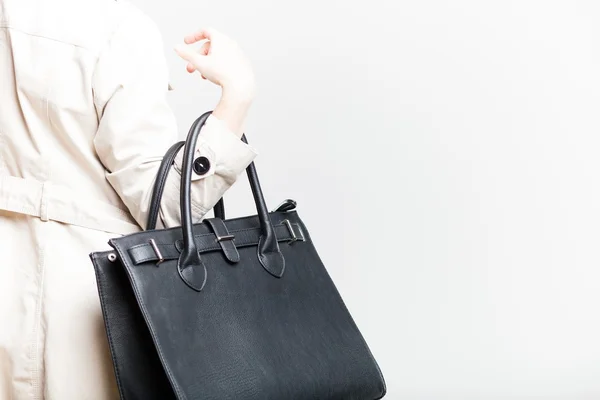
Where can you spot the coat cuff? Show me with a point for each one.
(218, 151)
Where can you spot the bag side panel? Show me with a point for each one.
(137, 367)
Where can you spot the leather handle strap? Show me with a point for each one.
(219, 209)
(159, 183)
(189, 264)
(269, 254)
(159, 187)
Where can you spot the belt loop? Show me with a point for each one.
(44, 202)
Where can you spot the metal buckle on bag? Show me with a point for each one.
(285, 206)
(156, 251)
(224, 237)
(295, 237)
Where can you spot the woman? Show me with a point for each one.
(84, 124)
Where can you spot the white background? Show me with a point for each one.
(444, 155)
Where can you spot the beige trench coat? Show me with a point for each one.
(84, 124)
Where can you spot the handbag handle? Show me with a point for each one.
(190, 266)
(159, 187)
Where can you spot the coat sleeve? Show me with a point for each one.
(136, 127)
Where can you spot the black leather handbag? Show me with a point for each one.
(239, 309)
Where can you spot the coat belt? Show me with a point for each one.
(50, 201)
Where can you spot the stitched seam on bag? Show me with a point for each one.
(146, 259)
(144, 245)
(108, 334)
(144, 310)
(264, 260)
(216, 247)
(249, 217)
(200, 236)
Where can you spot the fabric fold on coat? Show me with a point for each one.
(84, 124)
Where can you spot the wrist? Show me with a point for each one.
(232, 109)
(234, 103)
(238, 94)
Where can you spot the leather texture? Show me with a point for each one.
(250, 317)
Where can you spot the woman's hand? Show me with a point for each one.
(221, 61)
